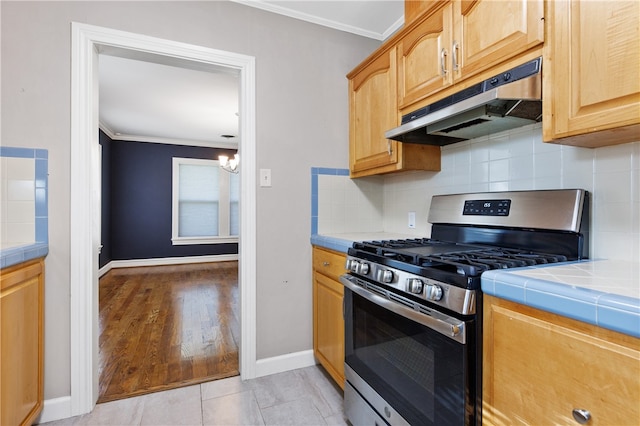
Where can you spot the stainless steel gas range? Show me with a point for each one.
(413, 308)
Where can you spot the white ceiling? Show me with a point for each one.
(158, 99)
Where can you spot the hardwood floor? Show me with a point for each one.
(163, 327)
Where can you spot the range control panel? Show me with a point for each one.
(487, 207)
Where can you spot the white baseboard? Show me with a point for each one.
(55, 409)
(165, 261)
(278, 364)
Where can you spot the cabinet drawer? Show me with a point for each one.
(328, 262)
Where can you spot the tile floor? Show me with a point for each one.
(306, 396)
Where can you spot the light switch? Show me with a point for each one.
(265, 178)
(412, 219)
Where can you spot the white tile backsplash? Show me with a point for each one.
(509, 161)
(346, 205)
(17, 197)
(519, 160)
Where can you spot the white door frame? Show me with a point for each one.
(85, 196)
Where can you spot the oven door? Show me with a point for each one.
(412, 367)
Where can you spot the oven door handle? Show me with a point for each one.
(444, 324)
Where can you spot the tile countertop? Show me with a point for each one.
(10, 256)
(341, 242)
(600, 292)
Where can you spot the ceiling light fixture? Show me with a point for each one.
(230, 165)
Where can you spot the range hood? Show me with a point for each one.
(505, 101)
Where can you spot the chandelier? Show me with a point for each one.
(230, 165)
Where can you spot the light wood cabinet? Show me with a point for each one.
(413, 9)
(373, 109)
(443, 44)
(423, 57)
(328, 322)
(538, 367)
(21, 340)
(460, 40)
(591, 78)
(490, 32)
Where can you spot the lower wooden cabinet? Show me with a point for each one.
(328, 322)
(545, 369)
(21, 343)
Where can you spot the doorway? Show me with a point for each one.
(85, 196)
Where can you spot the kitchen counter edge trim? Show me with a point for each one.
(20, 254)
(608, 310)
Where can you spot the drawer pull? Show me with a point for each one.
(325, 263)
(581, 416)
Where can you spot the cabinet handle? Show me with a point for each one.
(325, 263)
(454, 51)
(443, 57)
(581, 416)
(389, 149)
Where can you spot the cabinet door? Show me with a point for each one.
(424, 58)
(328, 336)
(539, 367)
(489, 32)
(373, 110)
(21, 343)
(593, 79)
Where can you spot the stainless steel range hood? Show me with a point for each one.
(505, 101)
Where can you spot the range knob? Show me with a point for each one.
(414, 285)
(385, 276)
(433, 292)
(351, 265)
(363, 268)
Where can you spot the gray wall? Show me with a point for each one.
(302, 121)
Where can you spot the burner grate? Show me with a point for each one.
(473, 263)
(458, 259)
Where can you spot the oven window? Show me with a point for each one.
(418, 371)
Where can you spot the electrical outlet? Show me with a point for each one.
(412, 219)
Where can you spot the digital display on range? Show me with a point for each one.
(487, 207)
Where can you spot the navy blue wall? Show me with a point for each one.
(140, 201)
(105, 253)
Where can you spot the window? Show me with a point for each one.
(205, 203)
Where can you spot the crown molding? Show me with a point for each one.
(168, 141)
(282, 10)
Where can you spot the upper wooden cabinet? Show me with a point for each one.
(373, 109)
(460, 39)
(591, 77)
(415, 8)
(488, 32)
(424, 56)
